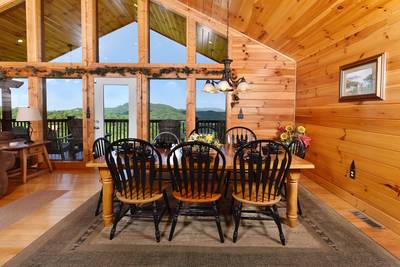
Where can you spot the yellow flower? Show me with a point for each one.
(284, 136)
(209, 138)
(289, 128)
(301, 129)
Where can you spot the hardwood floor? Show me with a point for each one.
(83, 183)
(384, 237)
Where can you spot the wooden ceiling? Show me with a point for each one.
(62, 28)
(295, 28)
(303, 27)
(12, 29)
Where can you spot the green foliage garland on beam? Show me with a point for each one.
(180, 72)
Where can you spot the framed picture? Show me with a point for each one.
(363, 80)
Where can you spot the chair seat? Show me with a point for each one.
(147, 198)
(254, 199)
(189, 198)
(140, 200)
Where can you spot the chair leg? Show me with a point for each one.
(132, 209)
(218, 221)
(227, 180)
(277, 219)
(231, 206)
(165, 196)
(156, 218)
(174, 220)
(299, 210)
(97, 212)
(117, 218)
(237, 213)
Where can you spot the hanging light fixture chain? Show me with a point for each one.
(228, 83)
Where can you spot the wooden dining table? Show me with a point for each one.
(298, 164)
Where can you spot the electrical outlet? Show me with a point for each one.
(352, 170)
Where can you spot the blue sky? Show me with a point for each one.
(121, 46)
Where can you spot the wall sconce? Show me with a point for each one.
(240, 115)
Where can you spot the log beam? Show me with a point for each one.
(34, 15)
(190, 105)
(143, 31)
(212, 71)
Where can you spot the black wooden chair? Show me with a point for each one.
(171, 126)
(237, 137)
(165, 140)
(58, 146)
(75, 139)
(196, 171)
(297, 148)
(136, 168)
(258, 178)
(99, 149)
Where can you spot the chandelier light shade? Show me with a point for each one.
(228, 83)
(243, 85)
(224, 86)
(210, 87)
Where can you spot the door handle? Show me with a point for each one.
(96, 128)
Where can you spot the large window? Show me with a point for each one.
(167, 107)
(62, 31)
(210, 110)
(64, 119)
(167, 36)
(13, 34)
(118, 31)
(10, 100)
(211, 47)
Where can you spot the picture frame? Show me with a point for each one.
(363, 80)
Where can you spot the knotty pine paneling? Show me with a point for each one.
(301, 28)
(367, 132)
(271, 97)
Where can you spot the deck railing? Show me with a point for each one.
(119, 128)
(59, 127)
(219, 126)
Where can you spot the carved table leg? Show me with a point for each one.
(292, 197)
(107, 196)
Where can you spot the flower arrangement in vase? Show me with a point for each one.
(206, 138)
(289, 133)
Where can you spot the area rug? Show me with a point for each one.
(322, 238)
(18, 209)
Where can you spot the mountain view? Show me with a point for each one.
(157, 112)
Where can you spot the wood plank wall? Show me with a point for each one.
(271, 97)
(366, 132)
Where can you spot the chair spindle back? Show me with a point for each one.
(136, 168)
(260, 170)
(196, 169)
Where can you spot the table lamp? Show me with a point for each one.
(28, 114)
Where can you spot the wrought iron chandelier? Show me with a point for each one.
(228, 83)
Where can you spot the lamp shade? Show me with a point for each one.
(28, 114)
(208, 87)
(224, 85)
(243, 86)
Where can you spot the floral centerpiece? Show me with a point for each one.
(206, 138)
(289, 133)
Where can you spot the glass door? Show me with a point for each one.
(115, 108)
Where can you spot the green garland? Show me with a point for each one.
(103, 71)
